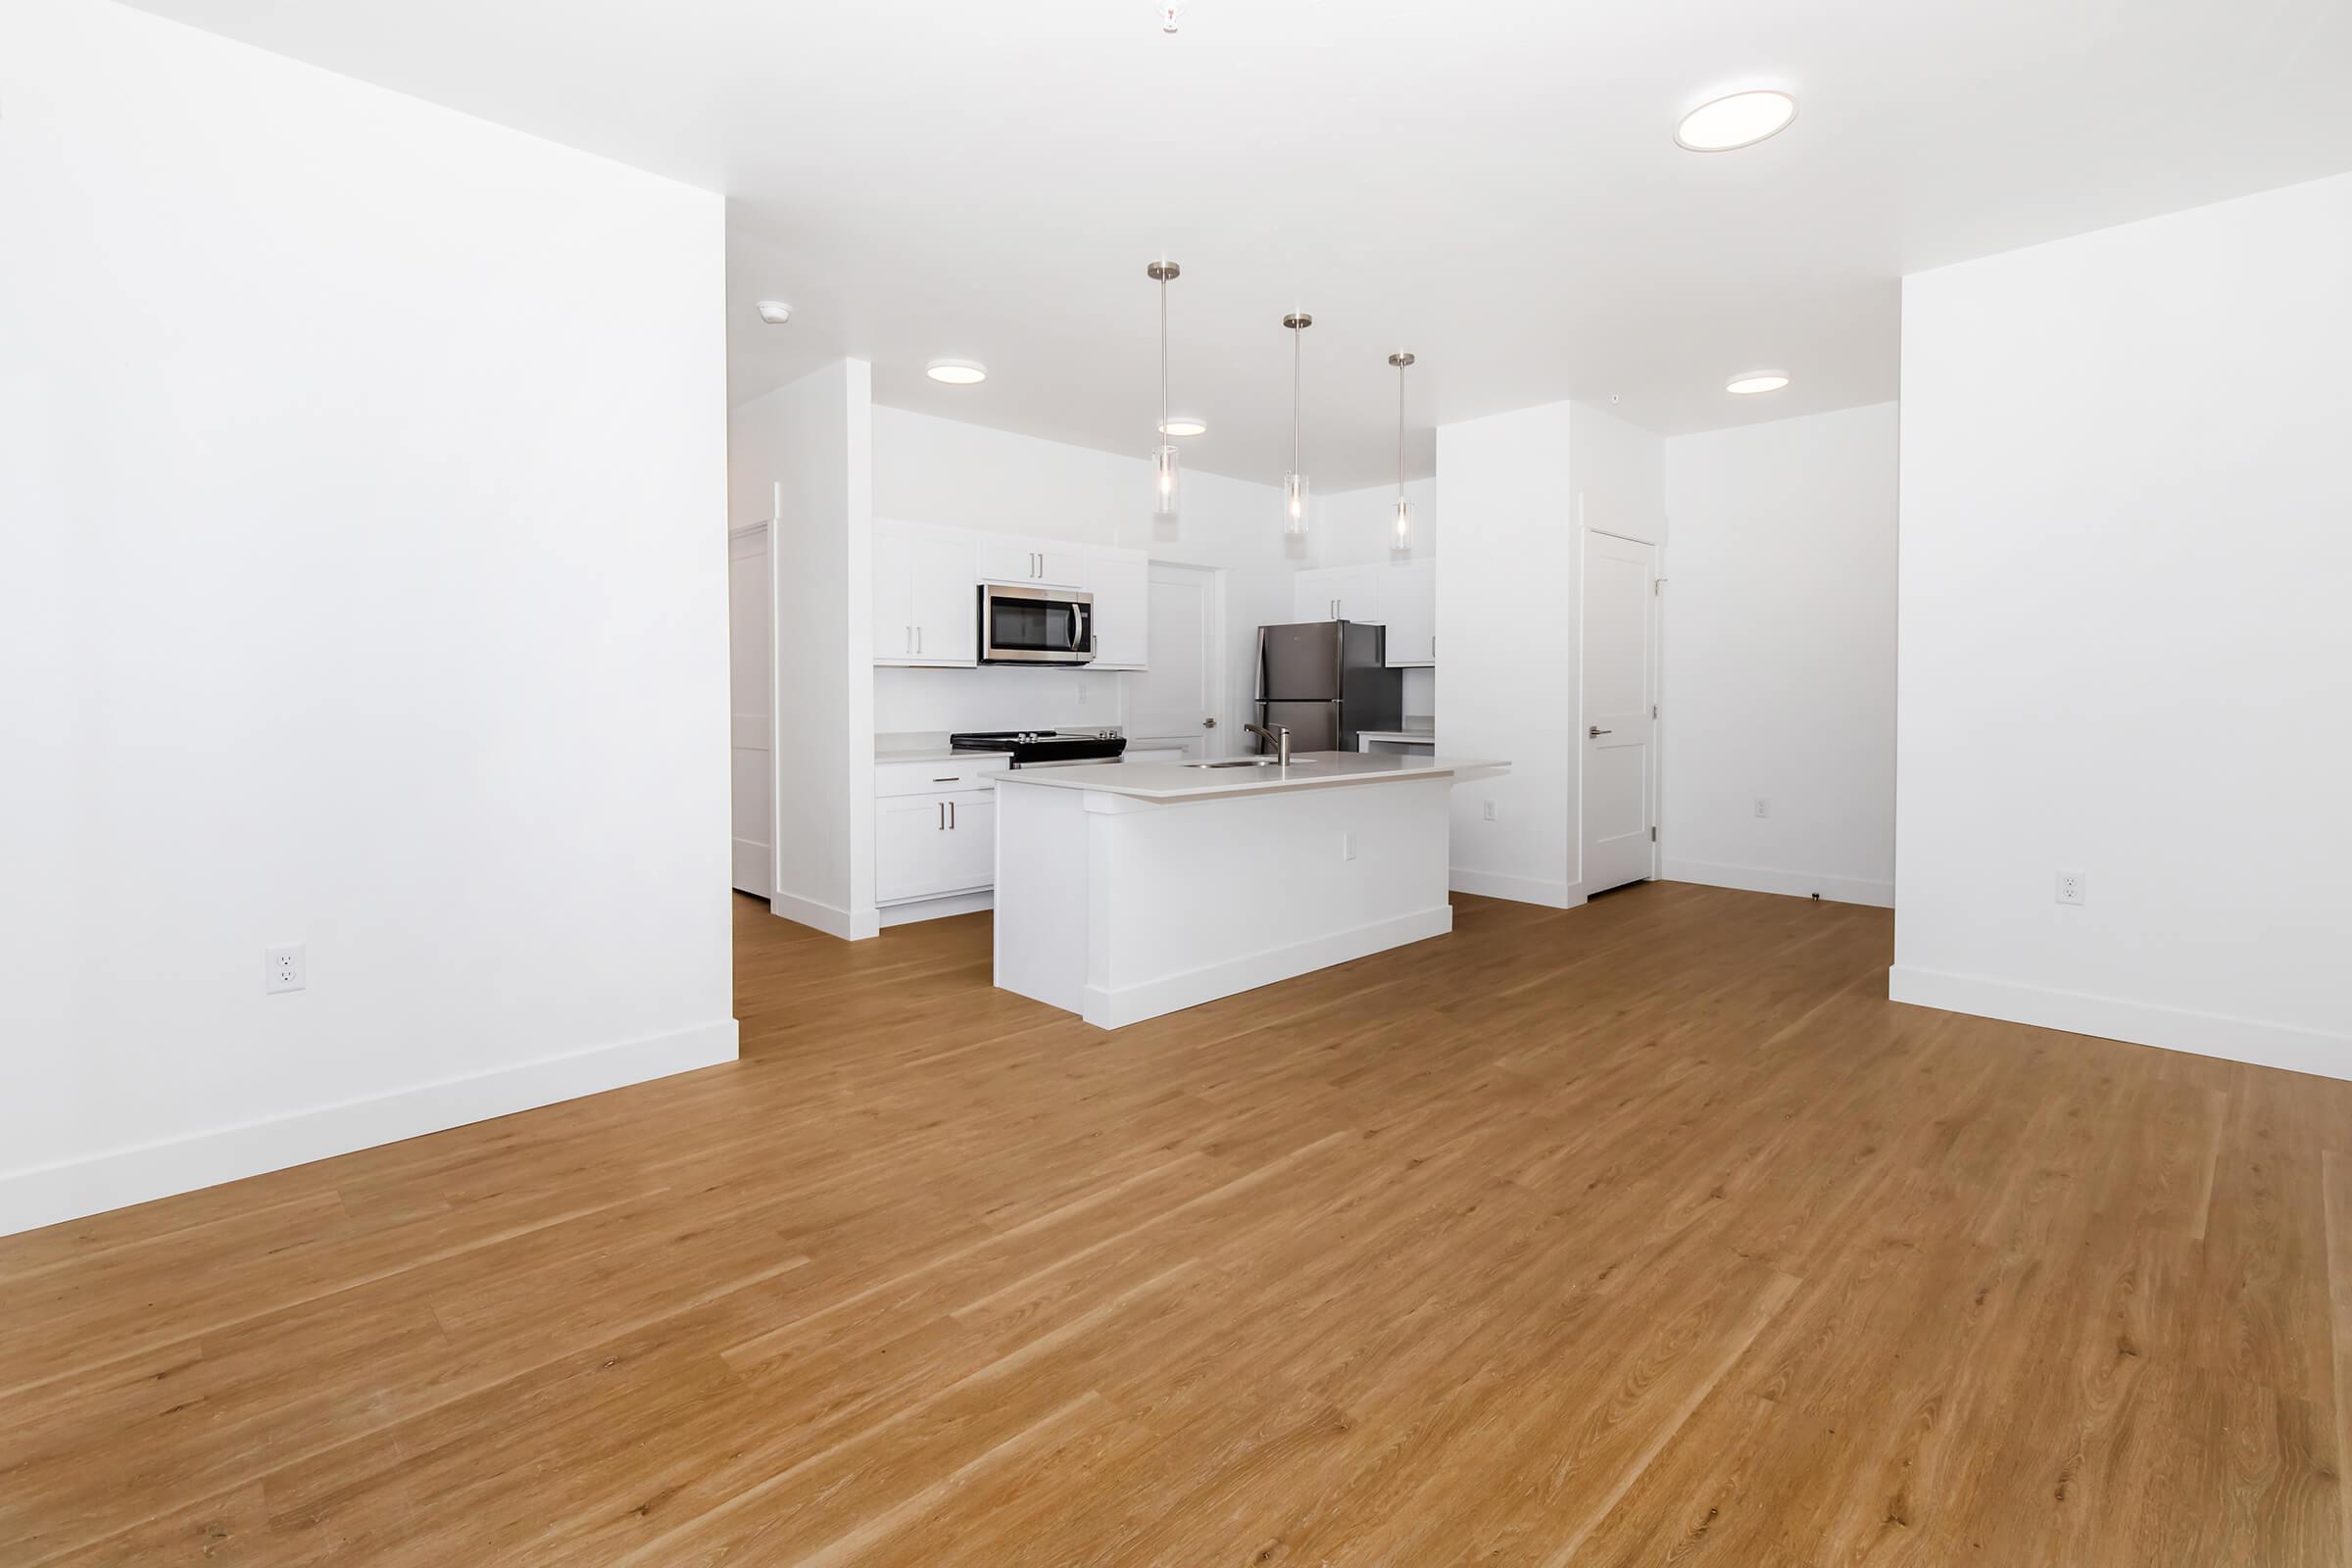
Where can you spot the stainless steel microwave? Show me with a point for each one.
(1025, 625)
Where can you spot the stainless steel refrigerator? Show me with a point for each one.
(1327, 680)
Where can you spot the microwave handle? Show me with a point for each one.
(1077, 627)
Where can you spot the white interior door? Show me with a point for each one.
(752, 677)
(1178, 700)
(1619, 698)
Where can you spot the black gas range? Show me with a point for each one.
(1043, 748)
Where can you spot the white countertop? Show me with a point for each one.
(932, 753)
(1179, 781)
(1415, 737)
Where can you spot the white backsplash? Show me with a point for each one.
(995, 697)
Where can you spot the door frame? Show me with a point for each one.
(1218, 739)
(1656, 656)
(745, 542)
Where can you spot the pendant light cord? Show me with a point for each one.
(1400, 433)
(1163, 359)
(1296, 336)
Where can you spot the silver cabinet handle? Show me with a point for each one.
(1591, 730)
(1209, 722)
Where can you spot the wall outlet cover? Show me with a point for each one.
(2074, 887)
(286, 968)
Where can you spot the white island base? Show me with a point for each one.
(1128, 891)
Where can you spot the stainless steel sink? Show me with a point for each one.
(1249, 762)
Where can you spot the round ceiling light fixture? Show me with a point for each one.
(775, 312)
(957, 372)
(1740, 120)
(1179, 425)
(1752, 383)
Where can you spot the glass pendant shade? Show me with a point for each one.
(1165, 483)
(1401, 538)
(1293, 504)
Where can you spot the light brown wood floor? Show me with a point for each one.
(1646, 1232)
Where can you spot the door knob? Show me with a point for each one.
(1208, 724)
(1593, 730)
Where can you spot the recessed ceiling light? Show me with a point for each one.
(775, 312)
(1180, 426)
(1742, 119)
(957, 372)
(1755, 381)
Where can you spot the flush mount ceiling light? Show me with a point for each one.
(775, 312)
(1755, 381)
(1742, 119)
(957, 372)
(1179, 425)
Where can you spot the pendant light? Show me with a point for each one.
(1163, 456)
(1293, 483)
(1401, 540)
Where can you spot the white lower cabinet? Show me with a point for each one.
(930, 846)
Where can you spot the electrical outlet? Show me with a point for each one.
(2074, 887)
(1763, 806)
(284, 969)
(1489, 810)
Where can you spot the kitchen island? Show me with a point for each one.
(1128, 890)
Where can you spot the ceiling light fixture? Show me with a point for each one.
(1167, 10)
(775, 312)
(957, 372)
(1293, 483)
(1755, 381)
(1742, 119)
(1401, 539)
(1164, 455)
(1184, 424)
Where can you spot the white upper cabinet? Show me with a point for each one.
(1121, 582)
(926, 607)
(927, 600)
(1038, 561)
(1401, 597)
(1409, 595)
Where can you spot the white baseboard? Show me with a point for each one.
(1796, 884)
(1552, 895)
(754, 863)
(1113, 1009)
(830, 918)
(2203, 1034)
(50, 1194)
(937, 908)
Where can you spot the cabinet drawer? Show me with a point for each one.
(968, 772)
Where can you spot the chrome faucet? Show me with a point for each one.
(1278, 737)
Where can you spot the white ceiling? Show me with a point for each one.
(1492, 184)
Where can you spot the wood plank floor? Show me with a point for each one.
(1646, 1232)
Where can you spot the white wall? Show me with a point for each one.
(360, 590)
(951, 474)
(815, 439)
(1780, 656)
(1521, 488)
(2127, 557)
(1359, 527)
